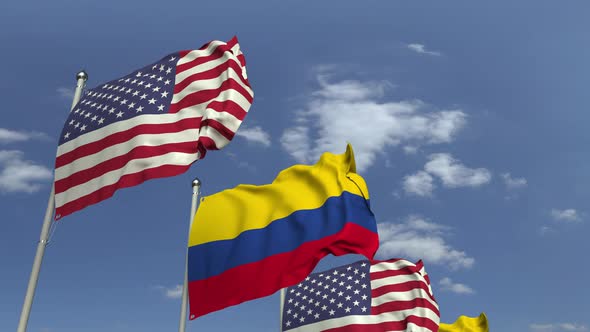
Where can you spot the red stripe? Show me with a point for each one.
(124, 136)
(128, 180)
(250, 281)
(118, 162)
(217, 53)
(388, 326)
(404, 305)
(219, 127)
(402, 271)
(228, 106)
(401, 287)
(220, 71)
(201, 96)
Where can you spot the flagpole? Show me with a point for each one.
(282, 299)
(182, 324)
(81, 78)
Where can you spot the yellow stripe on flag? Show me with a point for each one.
(300, 187)
(467, 324)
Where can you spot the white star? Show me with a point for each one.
(124, 101)
(156, 89)
(172, 58)
(324, 307)
(302, 319)
(356, 303)
(364, 309)
(339, 305)
(149, 85)
(364, 297)
(162, 67)
(77, 125)
(100, 121)
(159, 78)
(152, 76)
(164, 94)
(332, 300)
(94, 118)
(120, 114)
(348, 298)
(316, 316)
(154, 67)
(356, 292)
(332, 312)
(140, 83)
(138, 74)
(139, 108)
(134, 81)
(167, 82)
(66, 135)
(71, 122)
(169, 70)
(290, 301)
(83, 128)
(309, 312)
(127, 80)
(131, 105)
(135, 93)
(288, 323)
(347, 309)
(116, 98)
(340, 293)
(152, 101)
(348, 268)
(112, 110)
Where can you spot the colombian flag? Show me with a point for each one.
(250, 241)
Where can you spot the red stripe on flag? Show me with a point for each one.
(262, 278)
(139, 152)
(397, 305)
(128, 180)
(217, 53)
(124, 136)
(388, 326)
(401, 287)
(216, 72)
(203, 96)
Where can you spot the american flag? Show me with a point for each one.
(153, 123)
(371, 296)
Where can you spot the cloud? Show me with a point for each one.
(11, 136)
(420, 48)
(557, 327)
(513, 183)
(171, 293)
(454, 174)
(254, 134)
(419, 184)
(351, 111)
(417, 238)
(448, 285)
(20, 175)
(66, 93)
(565, 215)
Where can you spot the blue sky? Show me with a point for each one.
(469, 123)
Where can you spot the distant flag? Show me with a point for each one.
(152, 123)
(371, 296)
(251, 241)
(467, 324)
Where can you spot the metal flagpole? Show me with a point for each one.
(43, 239)
(196, 191)
(282, 299)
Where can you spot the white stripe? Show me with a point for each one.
(123, 148)
(210, 84)
(194, 111)
(125, 125)
(212, 133)
(388, 266)
(134, 166)
(192, 55)
(397, 280)
(410, 295)
(205, 66)
(370, 320)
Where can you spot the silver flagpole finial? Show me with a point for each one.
(82, 75)
(196, 182)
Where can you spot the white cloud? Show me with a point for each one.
(513, 183)
(171, 293)
(557, 327)
(448, 285)
(419, 184)
(565, 215)
(255, 134)
(454, 174)
(10, 136)
(20, 175)
(420, 48)
(408, 149)
(350, 111)
(66, 93)
(417, 238)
